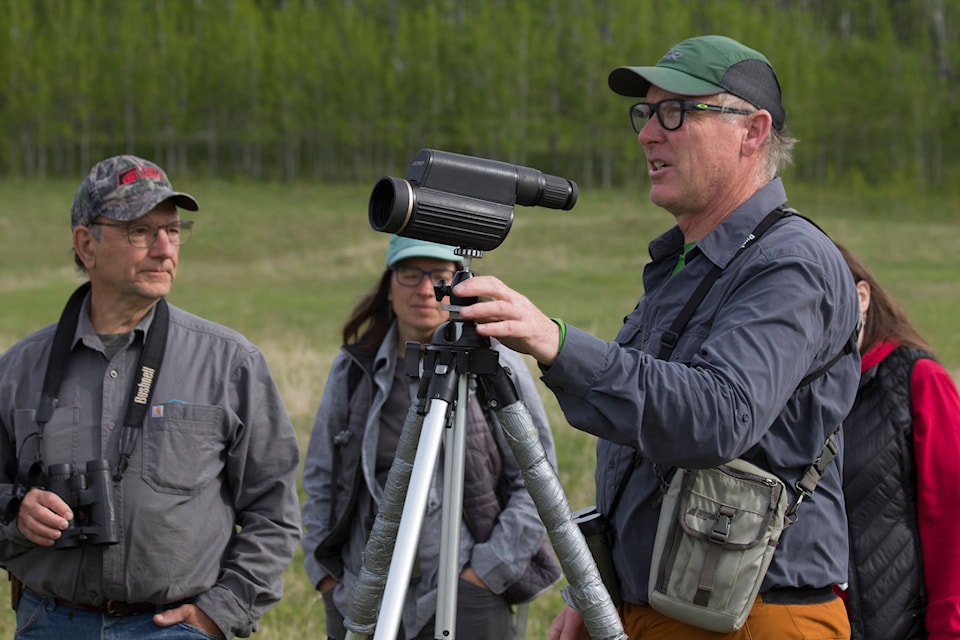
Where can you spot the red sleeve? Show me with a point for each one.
(936, 434)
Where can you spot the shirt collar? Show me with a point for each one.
(86, 333)
(723, 242)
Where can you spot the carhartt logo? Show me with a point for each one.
(673, 54)
(143, 387)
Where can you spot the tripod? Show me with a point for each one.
(457, 353)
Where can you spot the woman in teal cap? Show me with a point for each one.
(353, 443)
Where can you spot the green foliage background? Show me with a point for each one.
(350, 89)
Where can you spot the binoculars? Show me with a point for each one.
(89, 495)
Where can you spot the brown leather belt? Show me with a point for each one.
(113, 608)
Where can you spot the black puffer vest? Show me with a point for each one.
(886, 596)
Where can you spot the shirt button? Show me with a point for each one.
(113, 374)
(110, 425)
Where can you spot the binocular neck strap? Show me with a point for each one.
(148, 370)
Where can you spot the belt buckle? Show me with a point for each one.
(118, 609)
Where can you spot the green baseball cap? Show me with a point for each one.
(706, 65)
(124, 188)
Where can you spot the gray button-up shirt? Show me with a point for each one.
(207, 508)
(781, 310)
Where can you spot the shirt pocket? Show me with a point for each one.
(630, 334)
(182, 448)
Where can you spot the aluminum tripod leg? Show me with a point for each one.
(448, 580)
(411, 522)
(379, 557)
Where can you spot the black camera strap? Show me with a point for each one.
(148, 370)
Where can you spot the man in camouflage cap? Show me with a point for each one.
(148, 465)
(124, 188)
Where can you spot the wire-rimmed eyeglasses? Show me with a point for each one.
(670, 112)
(143, 235)
(410, 276)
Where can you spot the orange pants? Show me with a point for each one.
(826, 621)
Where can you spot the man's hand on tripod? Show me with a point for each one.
(510, 317)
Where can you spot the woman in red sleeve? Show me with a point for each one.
(901, 470)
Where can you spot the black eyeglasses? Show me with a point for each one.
(670, 112)
(143, 235)
(410, 276)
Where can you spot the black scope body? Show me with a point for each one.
(461, 200)
(89, 494)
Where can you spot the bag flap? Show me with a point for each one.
(732, 504)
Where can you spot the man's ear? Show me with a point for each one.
(84, 244)
(759, 124)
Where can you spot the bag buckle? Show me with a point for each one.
(721, 526)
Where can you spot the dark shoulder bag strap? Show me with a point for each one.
(668, 341)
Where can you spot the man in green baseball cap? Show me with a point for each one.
(738, 350)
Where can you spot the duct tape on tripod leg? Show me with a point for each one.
(586, 591)
(366, 593)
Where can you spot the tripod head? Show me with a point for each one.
(441, 290)
(456, 348)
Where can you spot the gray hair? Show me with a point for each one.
(778, 147)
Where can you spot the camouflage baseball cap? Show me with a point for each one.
(124, 188)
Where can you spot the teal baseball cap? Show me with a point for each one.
(401, 248)
(706, 65)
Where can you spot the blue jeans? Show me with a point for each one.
(41, 618)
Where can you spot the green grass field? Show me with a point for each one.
(285, 263)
